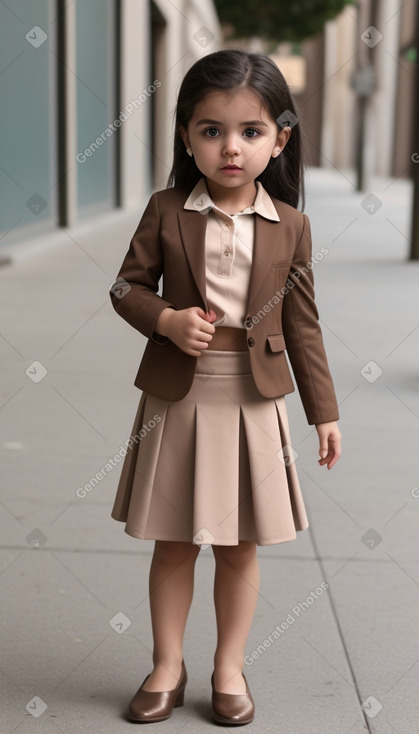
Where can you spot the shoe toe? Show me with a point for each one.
(229, 708)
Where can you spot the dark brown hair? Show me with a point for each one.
(231, 69)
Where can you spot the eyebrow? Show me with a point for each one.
(216, 122)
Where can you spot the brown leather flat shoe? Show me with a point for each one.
(157, 705)
(232, 708)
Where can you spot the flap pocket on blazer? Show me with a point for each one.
(276, 342)
(281, 263)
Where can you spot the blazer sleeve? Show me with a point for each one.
(303, 336)
(134, 292)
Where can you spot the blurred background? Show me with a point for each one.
(88, 92)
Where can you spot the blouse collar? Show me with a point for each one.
(200, 200)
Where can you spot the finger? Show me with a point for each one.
(200, 344)
(323, 449)
(207, 317)
(326, 454)
(336, 456)
(211, 315)
(198, 339)
(331, 459)
(206, 328)
(204, 337)
(332, 462)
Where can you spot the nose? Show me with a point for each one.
(231, 146)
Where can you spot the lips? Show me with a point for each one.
(231, 167)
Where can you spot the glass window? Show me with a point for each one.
(27, 141)
(96, 109)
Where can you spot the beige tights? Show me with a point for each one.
(236, 586)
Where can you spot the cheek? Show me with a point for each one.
(207, 152)
(262, 150)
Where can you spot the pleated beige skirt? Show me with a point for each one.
(213, 468)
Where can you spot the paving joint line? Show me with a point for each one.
(341, 635)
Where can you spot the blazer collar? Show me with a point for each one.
(193, 222)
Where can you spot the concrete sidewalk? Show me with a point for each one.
(76, 639)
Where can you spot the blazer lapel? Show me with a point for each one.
(265, 245)
(192, 227)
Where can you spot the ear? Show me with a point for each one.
(281, 141)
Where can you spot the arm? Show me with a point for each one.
(134, 292)
(303, 337)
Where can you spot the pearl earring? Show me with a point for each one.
(189, 152)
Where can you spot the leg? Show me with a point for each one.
(236, 586)
(171, 591)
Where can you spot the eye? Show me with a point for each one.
(211, 132)
(253, 132)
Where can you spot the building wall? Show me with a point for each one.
(384, 101)
(88, 95)
(402, 143)
(310, 101)
(337, 141)
(189, 30)
(389, 109)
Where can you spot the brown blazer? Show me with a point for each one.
(281, 311)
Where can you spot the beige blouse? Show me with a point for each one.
(229, 251)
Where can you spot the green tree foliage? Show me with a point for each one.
(277, 20)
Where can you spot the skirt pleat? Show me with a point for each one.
(213, 468)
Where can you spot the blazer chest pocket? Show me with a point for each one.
(276, 342)
(280, 270)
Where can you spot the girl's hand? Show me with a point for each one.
(190, 329)
(329, 443)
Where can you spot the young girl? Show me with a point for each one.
(210, 461)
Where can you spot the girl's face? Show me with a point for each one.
(233, 129)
